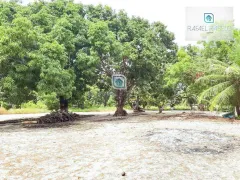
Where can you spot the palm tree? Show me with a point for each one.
(223, 85)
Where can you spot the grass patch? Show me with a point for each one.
(151, 108)
(166, 108)
(27, 111)
(39, 110)
(32, 110)
(93, 109)
(23, 111)
(98, 109)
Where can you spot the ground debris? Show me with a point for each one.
(123, 174)
(55, 117)
(197, 116)
(192, 141)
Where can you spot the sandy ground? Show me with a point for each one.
(23, 116)
(102, 147)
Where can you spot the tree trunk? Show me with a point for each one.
(137, 103)
(137, 107)
(191, 106)
(105, 103)
(63, 104)
(201, 107)
(120, 111)
(160, 109)
(237, 110)
(120, 99)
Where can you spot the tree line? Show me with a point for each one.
(60, 49)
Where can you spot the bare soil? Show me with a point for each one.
(146, 146)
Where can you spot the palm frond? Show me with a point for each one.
(234, 69)
(224, 97)
(214, 90)
(212, 77)
(217, 69)
(217, 62)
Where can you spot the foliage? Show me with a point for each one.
(51, 101)
(221, 79)
(223, 84)
(33, 105)
(59, 48)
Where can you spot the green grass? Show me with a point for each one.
(152, 108)
(31, 110)
(97, 109)
(23, 111)
(39, 110)
(93, 109)
(166, 108)
(181, 107)
(27, 111)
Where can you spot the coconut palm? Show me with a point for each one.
(223, 85)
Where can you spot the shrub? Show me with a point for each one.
(111, 101)
(51, 101)
(31, 104)
(7, 106)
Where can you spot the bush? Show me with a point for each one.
(51, 101)
(111, 102)
(31, 104)
(7, 106)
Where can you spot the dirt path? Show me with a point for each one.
(144, 147)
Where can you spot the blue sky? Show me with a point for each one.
(169, 12)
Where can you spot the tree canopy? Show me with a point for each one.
(59, 48)
(64, 49)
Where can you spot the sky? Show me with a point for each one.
(169, 12)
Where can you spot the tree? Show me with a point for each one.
(223, 85)
(42, 54)
(17, 43)
(217, 49)
(57, 50)
(221, 76)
